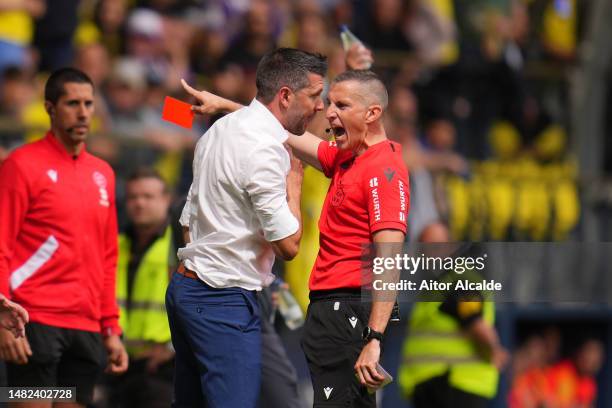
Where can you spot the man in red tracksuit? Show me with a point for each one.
(58, 250)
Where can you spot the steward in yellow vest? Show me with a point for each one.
(141, 292)
(452, 355)
(147, 256)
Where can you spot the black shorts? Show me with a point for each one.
(60, 358)
(332, 343)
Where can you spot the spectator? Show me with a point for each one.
(257, 38)
(17, 30)
(383, 27)
(109, 17)
(313, 33)
(529, 371)
(571, 382)
(136, 124)
(431, 29)
(54, 32)
(426, 223)
(93, 59)
(145, 43)
(16, 92)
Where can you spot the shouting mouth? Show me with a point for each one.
(338, 131)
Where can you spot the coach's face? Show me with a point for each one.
(347, 115)
(304, 105)
(71, 114)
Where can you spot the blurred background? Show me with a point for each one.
(502, 107)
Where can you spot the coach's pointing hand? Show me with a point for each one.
(208, 103)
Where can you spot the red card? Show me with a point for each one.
(177, 112)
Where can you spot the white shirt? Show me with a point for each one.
(237, 202)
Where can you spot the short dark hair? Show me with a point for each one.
(369, 78)
(54, 88)
(286, 67)
(146, 172)
(13, 73)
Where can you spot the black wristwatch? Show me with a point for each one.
(369, 334)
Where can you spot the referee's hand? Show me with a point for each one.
(365, 367)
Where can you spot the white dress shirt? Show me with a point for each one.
(237, 202)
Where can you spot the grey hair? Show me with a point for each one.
(373, 85)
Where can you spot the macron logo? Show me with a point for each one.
(52, 175)
(327, 391)
(353, 321)
(389, 173)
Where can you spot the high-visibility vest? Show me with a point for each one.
(436, 345)
(297, 271)
(146, 321)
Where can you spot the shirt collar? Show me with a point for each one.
(268, 119)
(57, 145)
(347, 157)
(384, 144)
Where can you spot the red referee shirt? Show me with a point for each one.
(368, 193)
(58, 236)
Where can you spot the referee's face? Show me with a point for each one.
(346, 114)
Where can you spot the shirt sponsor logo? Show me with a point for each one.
(100, 181)
(402, 193)
(374, 182)
(52, 175)
(376, 202)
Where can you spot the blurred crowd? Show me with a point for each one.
(478, 89)
(547, 373)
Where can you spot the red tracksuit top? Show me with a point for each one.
(368, 193)
(58, 236)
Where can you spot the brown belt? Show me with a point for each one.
(186, 272)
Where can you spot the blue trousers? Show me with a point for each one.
(217, 337)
